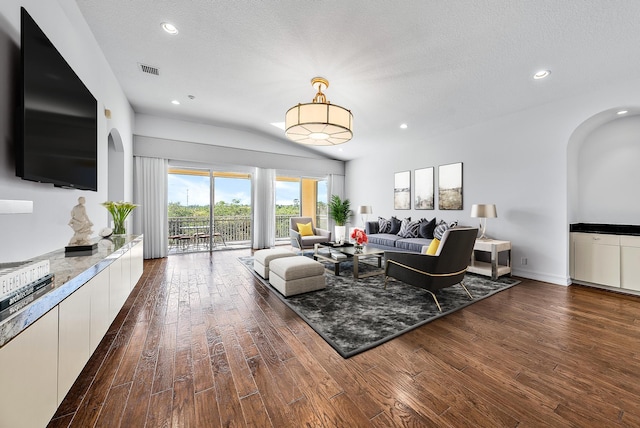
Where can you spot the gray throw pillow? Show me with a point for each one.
(404, 226)
(395, 226)
(384, 225)
(440, 229)
(426, 228)
(411, 229)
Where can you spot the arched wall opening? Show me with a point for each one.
(603, 174)
(116, 187)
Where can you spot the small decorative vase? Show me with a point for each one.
(118, 228)
(358, 248)
(340, 232)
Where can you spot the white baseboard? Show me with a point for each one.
(606, 287)
(553, 279)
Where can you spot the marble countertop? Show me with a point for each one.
(609, 229)
(71, 273)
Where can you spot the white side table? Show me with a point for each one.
(493, 269)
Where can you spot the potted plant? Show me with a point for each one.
(339, 211)
(119, 212)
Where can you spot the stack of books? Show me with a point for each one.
(338, 256)
(21, 281)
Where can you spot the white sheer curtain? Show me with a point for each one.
(264, 209)
(150, 191)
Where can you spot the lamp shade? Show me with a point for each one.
(365, 209)
(484, 211)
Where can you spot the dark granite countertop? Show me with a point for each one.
(71, 273)
(609, 229)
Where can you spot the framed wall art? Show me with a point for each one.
(450, 186)
(424, 189)
(402, 191)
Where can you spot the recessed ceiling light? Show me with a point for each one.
(542, 74)
(169, 28)
(623, 112)
(175, 102)
(403, 126)
(279, 125)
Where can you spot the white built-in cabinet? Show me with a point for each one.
(602, 259)
(630, 262)
(29, 368)
(118, 290)
(137, 262)
(74, 337)
(100, 317)
(39, 366)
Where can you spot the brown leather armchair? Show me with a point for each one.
(444, 269)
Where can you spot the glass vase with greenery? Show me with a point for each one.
(119, 212)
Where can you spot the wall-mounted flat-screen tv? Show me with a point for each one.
(57, 135)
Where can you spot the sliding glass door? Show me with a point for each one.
(193, 226)
(231, 209)
(189, 208)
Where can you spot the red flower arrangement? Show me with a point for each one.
(359, 236)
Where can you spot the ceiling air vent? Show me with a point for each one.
(149, 69)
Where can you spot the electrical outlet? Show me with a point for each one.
(523, 261)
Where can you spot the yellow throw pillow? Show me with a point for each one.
(305, 229)
(433, 247)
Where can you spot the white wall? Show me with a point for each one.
(609, 174)
(29, 235)
(181, 140)
(519, 162)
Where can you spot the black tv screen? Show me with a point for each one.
(59, 117)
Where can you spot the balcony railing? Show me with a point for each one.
(231, 228)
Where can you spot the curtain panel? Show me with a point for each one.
(150, 192)
(264, 209)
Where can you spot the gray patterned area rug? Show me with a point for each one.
(353, 316)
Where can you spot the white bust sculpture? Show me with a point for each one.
(80, 224)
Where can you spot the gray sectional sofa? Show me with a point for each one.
(393, 242)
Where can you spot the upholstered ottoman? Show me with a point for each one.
(296, 275)
(262, 258)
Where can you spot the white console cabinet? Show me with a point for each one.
(29, 370)
(45, 345)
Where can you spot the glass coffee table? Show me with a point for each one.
(336, 253)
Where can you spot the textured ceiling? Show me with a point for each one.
(435, 65)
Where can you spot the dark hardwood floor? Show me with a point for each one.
(201, 343)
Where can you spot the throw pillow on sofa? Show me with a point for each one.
(384, 225)
(395, 226)
(440, 229)
(404, 224)
(409, 229)
(426, 228)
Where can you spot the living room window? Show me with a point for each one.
(300, 196)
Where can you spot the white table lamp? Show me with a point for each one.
(363, 210)
(483, 212)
